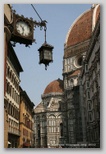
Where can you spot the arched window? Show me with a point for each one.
(37, 118)
(52, 121)
(51, 117)
(60, 116)
(71, 82)
(7, 87)
(9, 108)
(90, 116)
(43, 120)
(88, 95)
(61, 129)
(89, 105)
(38, 128)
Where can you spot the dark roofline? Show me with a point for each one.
(94, 36)
(15, 58)
(25, 95)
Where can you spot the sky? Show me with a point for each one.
(59, 17)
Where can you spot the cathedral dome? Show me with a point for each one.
(55, 86)
(81, 29)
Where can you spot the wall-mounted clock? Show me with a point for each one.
(23, 29)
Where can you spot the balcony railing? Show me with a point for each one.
(14, 131)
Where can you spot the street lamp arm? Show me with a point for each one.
(36, 12)
(41, 24)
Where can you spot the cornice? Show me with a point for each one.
(76, 49)
(51, 95)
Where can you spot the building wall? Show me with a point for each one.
(5, 128)
(26, 121)
(50, 121)
(12, 69)
(7, 35)
(13, 100)
(76, 95)
(72, 67)
(5, 108)
(91, 86)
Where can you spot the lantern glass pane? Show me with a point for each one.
(41, 56)
(47, 55)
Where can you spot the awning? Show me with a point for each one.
(9, 142)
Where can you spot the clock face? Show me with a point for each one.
(23, 28)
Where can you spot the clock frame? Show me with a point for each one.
(20, 37)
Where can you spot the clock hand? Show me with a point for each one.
(22, 28)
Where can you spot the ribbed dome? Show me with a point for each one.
(82, 28)
(54, 86)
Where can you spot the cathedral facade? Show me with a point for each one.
(70, 114)
(49, 116)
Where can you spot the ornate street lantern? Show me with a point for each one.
(45, 53)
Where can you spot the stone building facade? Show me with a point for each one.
(12, 69)
(75, 50)
(49, 117)
(80, 122)
(12, 95)
(7, 36)
(90, 81)
(26, 121)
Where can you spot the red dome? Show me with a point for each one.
(81, 29)
(55, 86)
